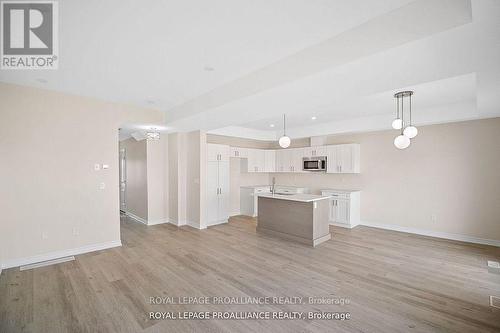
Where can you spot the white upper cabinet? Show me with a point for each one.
(217, 152)
(239, 152)
(315, 151)
(269, 160)
(340, 158)
(283, 160)
(343, 158)
(256, 160)
(289, 160)
(296, 162)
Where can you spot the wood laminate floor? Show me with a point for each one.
(395, 282)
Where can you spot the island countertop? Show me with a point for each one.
(301, 197)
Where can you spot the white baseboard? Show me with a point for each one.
(161, 221)
(217, 223)
(144, 221)
(235, 213)
(343, 225)
(136, 218)
(195, 225)
(59, 254)
(437, 234)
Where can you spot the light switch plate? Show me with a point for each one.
(493, 264)
(105, 166)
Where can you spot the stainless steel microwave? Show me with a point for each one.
(316, 163)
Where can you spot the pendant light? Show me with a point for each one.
(410, 131)
(284, 141)
(402, 141)
(398, 122)
(153, 134)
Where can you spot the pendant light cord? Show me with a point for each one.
(402, 114)
(410, 111)
(284, 125)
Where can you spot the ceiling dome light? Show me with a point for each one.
(284, 141)
(410, 132)
(397, 123)
(402, 142)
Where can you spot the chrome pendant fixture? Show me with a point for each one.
(402, 141)
(153, 135)
(284, 141)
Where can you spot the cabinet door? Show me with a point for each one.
(342, 211)
(308, 152)
(212, 152)
(223, 202)
(252, 160)
(217, 152)
(260, 160)
(238, 152)
(270, 161)
(212, 191)
(224, 153)
(332, 159)
(319, 151)
(296, 158)
(282, 161)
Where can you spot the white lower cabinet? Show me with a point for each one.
(249, 199)
(249, 196)
(344, 207)
(217, 210)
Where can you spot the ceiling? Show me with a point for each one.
(234, 66)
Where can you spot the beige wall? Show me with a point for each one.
(51, 142)
(157, 178)
(195, 174)
(173, 178)
(450, 171)
(136, 193)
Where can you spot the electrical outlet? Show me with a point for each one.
(102, 186)
(493, 264)
(45, 235)
(433, 218)
(75, 231)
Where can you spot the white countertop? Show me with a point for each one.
(337, 190)
(277, 185)
(295, 197)
(255, 186)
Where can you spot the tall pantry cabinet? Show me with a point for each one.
(217, 184)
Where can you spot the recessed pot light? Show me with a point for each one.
(313, 118)
(272, 125)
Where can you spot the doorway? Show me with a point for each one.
(123, 180)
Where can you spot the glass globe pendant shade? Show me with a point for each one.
(284, 141)
(402, 142)
(410, 132)
(397, 123)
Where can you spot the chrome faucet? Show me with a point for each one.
(273, 186)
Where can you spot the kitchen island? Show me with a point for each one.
(298, 217)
